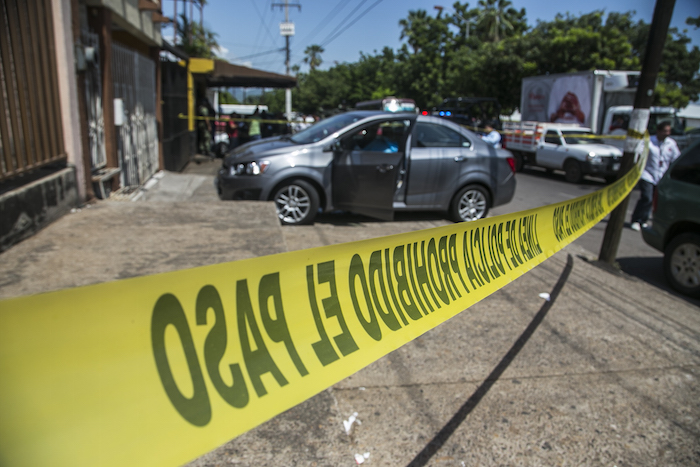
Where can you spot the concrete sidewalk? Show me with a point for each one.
(606, 373)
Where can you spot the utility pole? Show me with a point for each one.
(287, 30)
(663, 11)
(175, 24)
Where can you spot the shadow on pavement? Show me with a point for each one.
(650, 270)
(439, 440)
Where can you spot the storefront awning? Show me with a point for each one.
(219, 73)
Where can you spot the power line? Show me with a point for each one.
(325, 21)
(328, 41)
(260, 53)
(347, 17)
(262, 20)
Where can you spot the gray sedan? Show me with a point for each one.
(372, 163)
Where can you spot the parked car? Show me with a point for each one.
(371, 163)
(675, 228)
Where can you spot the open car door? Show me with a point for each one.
(367, 166)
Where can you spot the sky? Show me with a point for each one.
(249, 30)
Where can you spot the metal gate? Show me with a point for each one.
(134, 78)
(31, 134)
(93, 99)
(178, 140)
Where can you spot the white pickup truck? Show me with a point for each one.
(558, 146)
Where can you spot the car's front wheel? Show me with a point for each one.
(296, 203)
(682, 264)
(470, 203)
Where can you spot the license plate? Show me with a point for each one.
(616, 166)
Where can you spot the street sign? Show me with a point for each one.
(287, 29)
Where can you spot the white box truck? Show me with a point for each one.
(599, 99)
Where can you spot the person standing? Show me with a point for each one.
(491, 136)
(232, 131)
(662, 152)
(254, 131)
(204, 133)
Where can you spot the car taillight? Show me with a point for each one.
(425, 112)
(511, 163)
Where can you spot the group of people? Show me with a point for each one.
(239, 128)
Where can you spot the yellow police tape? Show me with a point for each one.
(226, 118)
(158, 370)
(569, 135)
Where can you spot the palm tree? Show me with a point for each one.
(196, 40)
(495, 17)
(313, 56)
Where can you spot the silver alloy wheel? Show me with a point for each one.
(293, 204)
(472, 205)
(685, 265)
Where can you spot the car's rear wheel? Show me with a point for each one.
(470, 203)
(296, 203)
(682, 264)
(573, 172)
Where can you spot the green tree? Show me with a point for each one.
(425, 63)
(438, 59)
(570, 43)
(313, 56)
(495, 17)
(226, 97)
(195, 39)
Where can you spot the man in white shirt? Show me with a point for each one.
(662, 152)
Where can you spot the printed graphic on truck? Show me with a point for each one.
(564, 99)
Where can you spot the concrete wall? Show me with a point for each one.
(27, 209)
(67, 85)
(127, 15)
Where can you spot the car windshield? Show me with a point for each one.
(324, 128)
(580, 137)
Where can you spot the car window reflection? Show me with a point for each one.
(429, 135)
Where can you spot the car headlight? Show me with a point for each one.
(593, 158)
(249, 168)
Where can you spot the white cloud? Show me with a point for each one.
(221, 51)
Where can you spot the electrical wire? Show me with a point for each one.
(344, 20)
(262, 20)
(328, 41)
(260, 53)
(325, 21)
